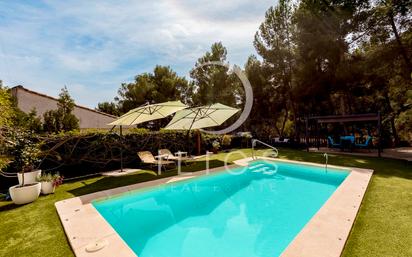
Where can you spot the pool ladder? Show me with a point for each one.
(254, 141)
(326, 161)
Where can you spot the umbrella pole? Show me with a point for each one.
(188, 131)
(188, 140)
(198, 142)
(121, 150)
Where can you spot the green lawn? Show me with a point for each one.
(383, 226)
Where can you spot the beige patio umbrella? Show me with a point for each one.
(144, 113)
(149, 112)
(201, 117)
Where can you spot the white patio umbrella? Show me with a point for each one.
(144, 113)
(149, 112)
(201, 117)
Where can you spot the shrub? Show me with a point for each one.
(208, 139)
(216, 145)
(3, 162)
(226, 141)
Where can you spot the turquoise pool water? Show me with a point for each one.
(255, 213)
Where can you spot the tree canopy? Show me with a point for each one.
(314, 57)
(160, 86)
(6, 107)
(212, 80)
(61, 119)
(336, 57)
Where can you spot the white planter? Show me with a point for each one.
(47, 187)
(29, 177)
(26, 194)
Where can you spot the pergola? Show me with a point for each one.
(344, 119)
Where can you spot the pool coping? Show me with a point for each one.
(324, 235)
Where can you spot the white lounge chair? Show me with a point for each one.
(171, 157)
(148, 158)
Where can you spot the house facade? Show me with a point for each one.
(27, 100)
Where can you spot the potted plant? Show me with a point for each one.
(216, 146)
(29, 158)
(27, 190)
(26, 156)
(49, 182)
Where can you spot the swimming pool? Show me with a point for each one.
(257, 212)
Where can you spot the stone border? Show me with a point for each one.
(324, 235)
(85, 227)
(327, 232)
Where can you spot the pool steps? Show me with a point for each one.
(265, 170)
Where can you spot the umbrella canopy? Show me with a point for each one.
(145, 113)
(148, 113)
(201, 117)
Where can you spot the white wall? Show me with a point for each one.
(27, 100)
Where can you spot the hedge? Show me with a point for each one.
(82, 153)
(93, 152)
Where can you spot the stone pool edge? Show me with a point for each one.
(84, 225)
(324, 235)
(327, 232)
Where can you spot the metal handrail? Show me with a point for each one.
(254, 141)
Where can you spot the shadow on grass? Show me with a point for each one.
(9, 206)
(112, 182)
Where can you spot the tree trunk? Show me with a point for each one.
(284, 122)
(399, 41)
(394, 133)
(277, 129)
(296, 136)
(392, 120)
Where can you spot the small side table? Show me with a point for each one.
(180, 154)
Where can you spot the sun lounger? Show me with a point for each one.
(171, 157)
(148, 158)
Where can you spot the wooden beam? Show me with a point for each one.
(352, 119)
(345, 118)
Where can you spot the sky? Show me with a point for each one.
(93, 46)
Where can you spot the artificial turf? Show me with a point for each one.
(383, 226)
